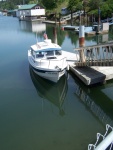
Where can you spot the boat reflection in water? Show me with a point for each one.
(53, 92)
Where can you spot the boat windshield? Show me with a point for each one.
(58, 52)
(39, 55)
(50, 53)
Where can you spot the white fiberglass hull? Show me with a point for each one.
(53, 76)
(48, 73)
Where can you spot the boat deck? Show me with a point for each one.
(71, 57)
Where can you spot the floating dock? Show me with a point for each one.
(92, 75)
(88, 75)
(69, 27)
(92, 71)
(90, 30)
(52, 22)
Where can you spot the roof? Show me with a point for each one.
(45, 46)
(29, 6)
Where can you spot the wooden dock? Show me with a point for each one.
(53, 22)
(96, 68)
(93, 75)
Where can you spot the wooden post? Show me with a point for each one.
(98, 20)
(80, 19)
(59, 18)
(55, 34)
(71, 17)
(112, 17)
(92, 19)
(87, 19)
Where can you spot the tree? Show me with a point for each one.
(85, 6)
(95, 4)
(72, 6)
(51, 4)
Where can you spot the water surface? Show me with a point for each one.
(36, 114)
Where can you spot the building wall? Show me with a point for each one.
(33, 12)
(37, 12)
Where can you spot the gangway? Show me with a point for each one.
(107, 140)
(68, 17)
(107, 20)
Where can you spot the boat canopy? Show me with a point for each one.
(45, 46)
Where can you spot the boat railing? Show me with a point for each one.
(106, 140)
(50, 62)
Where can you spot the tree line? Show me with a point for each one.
(91, 7)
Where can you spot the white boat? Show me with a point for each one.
(47, 60)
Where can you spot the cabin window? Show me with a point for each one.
(49, 53)
(39, 55)
(58, 52)
(32, 53)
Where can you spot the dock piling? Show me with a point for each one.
(81, 44)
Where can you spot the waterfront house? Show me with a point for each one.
(30, 11)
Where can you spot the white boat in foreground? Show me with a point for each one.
(47, 60)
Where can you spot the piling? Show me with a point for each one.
(81, 43)
(81, 36)
(55, 34)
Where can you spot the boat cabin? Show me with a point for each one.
(46, 50)
(95, 27)
(46, 54)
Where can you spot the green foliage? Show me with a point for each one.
(72, 5)
(95, 4)
(89, 6)
(51, 4)
(33, 2)
(12, 4)
(106, 7)
(105, 10)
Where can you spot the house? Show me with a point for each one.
(30, 11)
(12, 12)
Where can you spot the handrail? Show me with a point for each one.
(75, 14)
(96, 55)
(106, 142)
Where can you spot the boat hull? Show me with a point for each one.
(50, 74)
(53, 76)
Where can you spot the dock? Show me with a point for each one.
(89, 75)
(92, 70)
(93, 75)
(69, 27)
(52, 22)
(90, 30)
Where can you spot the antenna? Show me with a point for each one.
(36, 37)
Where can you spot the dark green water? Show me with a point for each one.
(36, 114)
